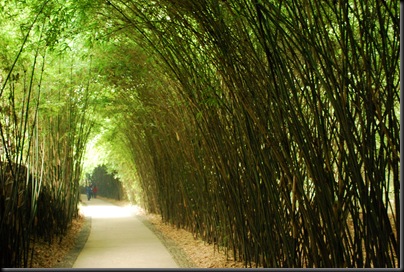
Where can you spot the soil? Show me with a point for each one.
(188, 251)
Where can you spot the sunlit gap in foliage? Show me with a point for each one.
(94, 155)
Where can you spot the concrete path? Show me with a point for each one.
(118, 239)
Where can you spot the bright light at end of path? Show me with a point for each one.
(101, 211)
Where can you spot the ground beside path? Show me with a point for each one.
(119, 239)
(61, 251)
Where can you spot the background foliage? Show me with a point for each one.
(107, 184)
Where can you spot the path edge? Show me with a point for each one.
(71, 257)
(178, 254)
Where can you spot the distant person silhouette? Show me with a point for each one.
(95, 190)
(89, 192)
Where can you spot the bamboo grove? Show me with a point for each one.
(268, 128)
(44, 103)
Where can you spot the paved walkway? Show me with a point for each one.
(118, 239)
